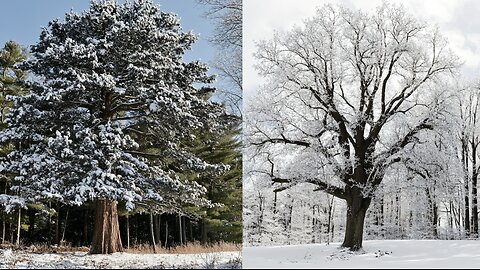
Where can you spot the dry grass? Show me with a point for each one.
(45, 248)
(63, 247)
(190, 248)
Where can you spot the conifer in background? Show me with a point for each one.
(223, 222)
(11, 84)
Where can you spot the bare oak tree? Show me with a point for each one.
(347, 95)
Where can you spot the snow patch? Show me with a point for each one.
(80, 260)
(375, 254)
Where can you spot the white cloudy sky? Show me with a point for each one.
(458, 20)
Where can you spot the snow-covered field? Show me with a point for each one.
(21, 259)
(377, 254)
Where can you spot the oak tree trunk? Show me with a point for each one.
(106, 232)
(357, 207)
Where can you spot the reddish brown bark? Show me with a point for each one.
(106, 234)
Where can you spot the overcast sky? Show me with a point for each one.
(458, 20)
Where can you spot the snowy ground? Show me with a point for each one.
(21, 259)
(377, 254)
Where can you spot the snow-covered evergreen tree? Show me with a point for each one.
(110, 110)
(11, 84)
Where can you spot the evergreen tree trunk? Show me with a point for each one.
(49, 223)
(19, 225)
(157, 227)
(190, 230)
(10, 230)
(57, 225)
(31, 223)
(166, 233)
(204, 231)
(152, 233)
(4, 226)
(64, 226)
(180, 229)
(106, 233)
(357, 207)
(128, 232)
(85, 226)
(4, 223)
(184, 229)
